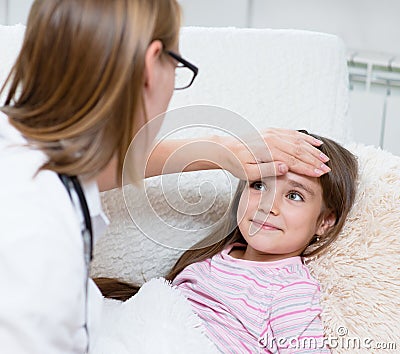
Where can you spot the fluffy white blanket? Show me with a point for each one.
(158, 319)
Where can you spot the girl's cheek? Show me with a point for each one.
(244, 205)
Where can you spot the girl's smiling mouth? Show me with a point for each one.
(265, 225)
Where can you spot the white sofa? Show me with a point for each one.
(282, 78)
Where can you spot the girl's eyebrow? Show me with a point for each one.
(297, 184)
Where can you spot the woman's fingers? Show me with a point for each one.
(309, 144)
(306, 162)
(278, 151)
(297, 151)
(255, 172)
(309, 138)
(315, 168)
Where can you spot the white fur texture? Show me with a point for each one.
(158, 319)
(360, 272)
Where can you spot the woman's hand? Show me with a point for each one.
(272, 153)
(286, 150)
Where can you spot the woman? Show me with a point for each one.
(89, 75)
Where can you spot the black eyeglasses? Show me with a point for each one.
(186, 72)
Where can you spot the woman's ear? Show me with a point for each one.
(327, 222)
(151, 61)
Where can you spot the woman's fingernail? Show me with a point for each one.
(318, 142)
(323, 157)
(325, 168)
(318, 172)
(282, 168)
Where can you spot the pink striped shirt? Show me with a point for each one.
(255, 307)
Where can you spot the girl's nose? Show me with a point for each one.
(275, 207)
(269, 203)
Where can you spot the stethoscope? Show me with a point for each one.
(71, 183)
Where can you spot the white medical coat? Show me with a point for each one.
(42, 269)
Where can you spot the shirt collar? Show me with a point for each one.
(99, 219)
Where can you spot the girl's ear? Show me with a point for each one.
(327, 222)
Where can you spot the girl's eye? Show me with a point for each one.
(259, 186)
(295, 196)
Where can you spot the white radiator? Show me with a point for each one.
(374, 80)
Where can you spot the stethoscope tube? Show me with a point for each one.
(72, 182)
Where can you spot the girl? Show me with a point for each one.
(89, 75)
(252, 289)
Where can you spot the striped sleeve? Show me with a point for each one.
(294, 322)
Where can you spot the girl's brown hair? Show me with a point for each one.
(338, 194)
(76, 86)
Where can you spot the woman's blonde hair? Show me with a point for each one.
(76, 86)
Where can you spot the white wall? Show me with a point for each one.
(14, 11)
(215, 13)
(18, 11)
(366, 25)
(362, 24)
(3, 12)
